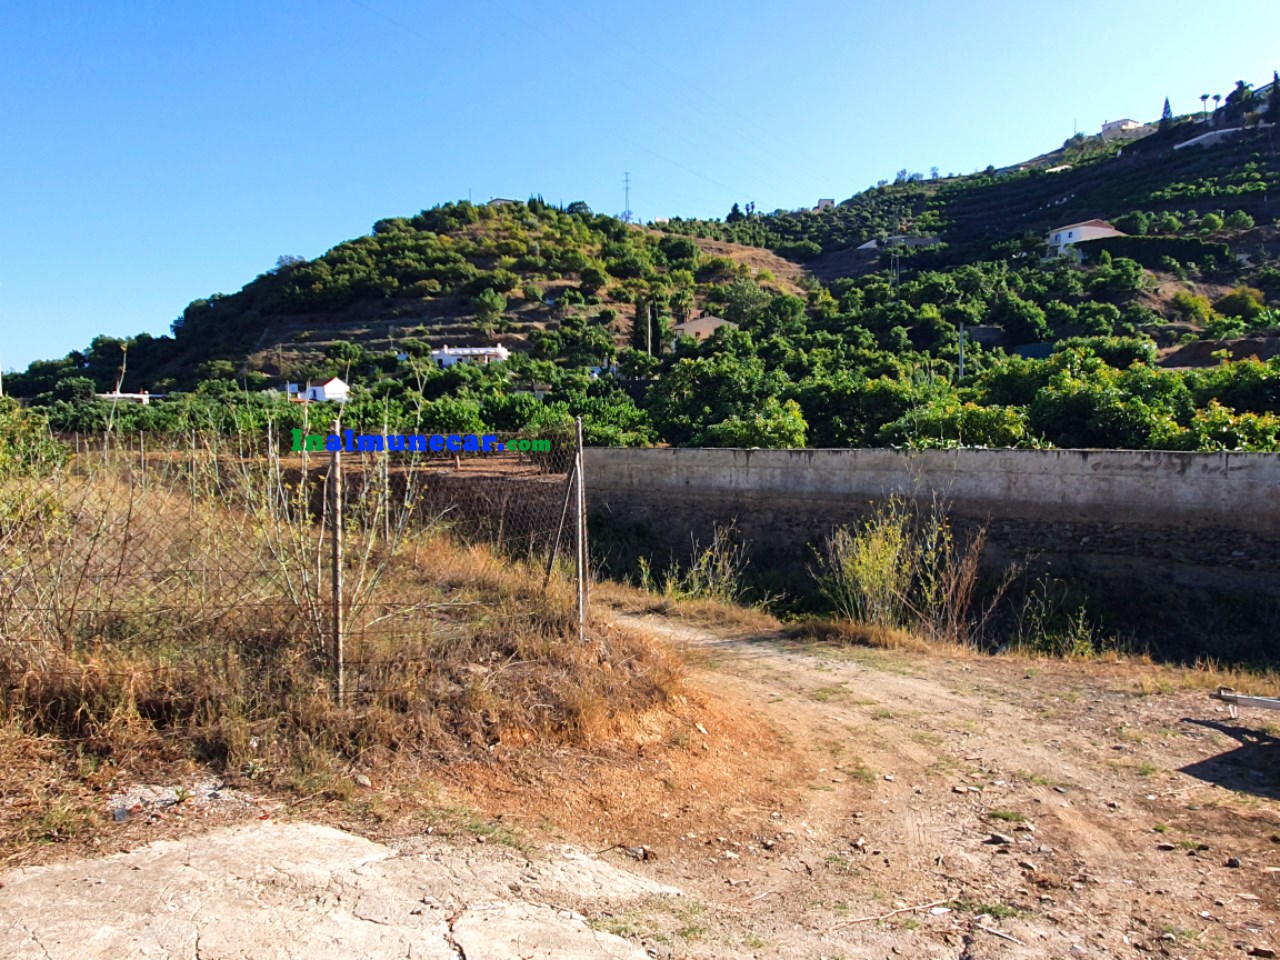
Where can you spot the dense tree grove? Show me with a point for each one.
(587, 305)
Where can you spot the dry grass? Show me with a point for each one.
(1140, 674)
(850, 633)
(697, 610)
(185, 620)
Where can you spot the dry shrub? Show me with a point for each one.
(184, 614)
(904, 567)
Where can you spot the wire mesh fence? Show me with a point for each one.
(348, 566)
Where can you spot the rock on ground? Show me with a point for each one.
(284, 891)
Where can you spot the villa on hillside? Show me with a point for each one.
(447, 356)
(333, 390)
(701, 327)
(1126, 130)
(1062, 239)
(898, 240)
(142, 396)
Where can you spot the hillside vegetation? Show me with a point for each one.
(863, 349)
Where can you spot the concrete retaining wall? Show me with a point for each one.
(1153, 519)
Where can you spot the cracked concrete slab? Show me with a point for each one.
(285, 891)
(504, 929)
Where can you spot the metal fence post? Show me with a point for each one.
(335, 522)
(581, 535)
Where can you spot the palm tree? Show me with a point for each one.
(1217, 98)
(1204, 104)
(682, 303)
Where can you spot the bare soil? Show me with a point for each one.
(1119, 808)
(786, 273)
(815, 800)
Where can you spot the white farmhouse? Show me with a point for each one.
(1061, 239)
(142, 396)
(447, 356)
(331, 391)
(898, 240)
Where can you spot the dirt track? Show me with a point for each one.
(917, 760)
(862, 826)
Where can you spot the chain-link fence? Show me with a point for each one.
(284, 567)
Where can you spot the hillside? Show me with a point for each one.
(969, 214)
(833, 346)
(422, 280)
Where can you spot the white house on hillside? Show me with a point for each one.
(1061, 239)
(332, 391)
(142, 396)
(447, 356)
(1126, 130)
(898, 240)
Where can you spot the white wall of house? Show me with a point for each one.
(333, 391)
(447, 356)
(1064, 237)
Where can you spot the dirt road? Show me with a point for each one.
(830, 802)
(1047, 809)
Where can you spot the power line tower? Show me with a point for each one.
(625, 216)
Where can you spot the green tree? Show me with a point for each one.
(1191, 308)
(1166, 115)
(1218, 427)
(489, 305)
(946, 422)
(1239, 100)
(1098, 319)
(73, 389)
(1243, 302)
(775, 425)
(1210, 223)
(650, 325)
(344, 351)
(695, 392)
(1239, 220)
(744, 302)
(637, 365)
(593, 277)
(1023, 320)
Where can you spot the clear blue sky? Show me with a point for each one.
(155, 152)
